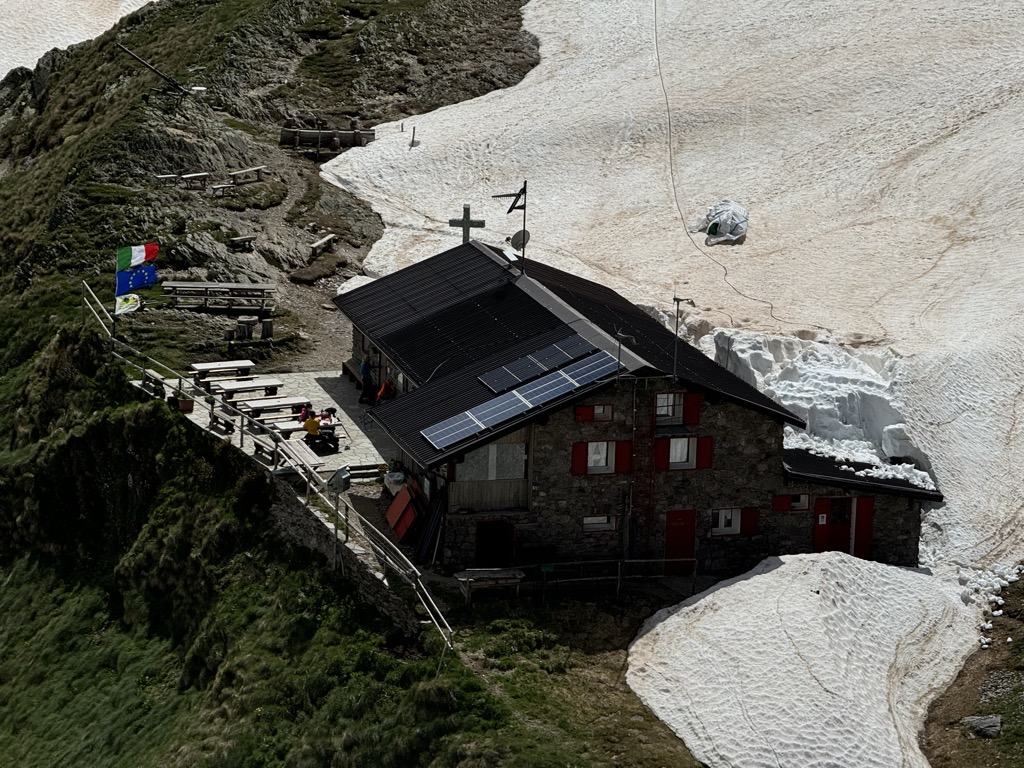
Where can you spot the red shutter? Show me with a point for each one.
(691, 410)
(705, 451)
(579, 458)
(748, 521)
(821, 507)
(782, 503)
(661, 453)
(865, 524)
(584, 413)
(624, 456)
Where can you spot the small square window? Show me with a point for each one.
(602, 413)
(682, 453)
(725, 521)
(599, 458)
(598, 523)
(669, 408)
(799, 501)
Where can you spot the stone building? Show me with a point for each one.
(547, 421)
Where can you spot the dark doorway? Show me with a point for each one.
(495, 544)
(680, 540)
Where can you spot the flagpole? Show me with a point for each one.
(524, 227)
(113, 317)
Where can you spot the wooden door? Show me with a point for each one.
(833, 517)
(680, 540)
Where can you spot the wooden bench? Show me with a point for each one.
(239, 368)
(220, 189)
(299, 452)
(480, 578)
(223, 418)
(152, 382)
(228, 388)
(242, 177)
(325, 243)
(195, 180)
(170, 179)
(243, 243)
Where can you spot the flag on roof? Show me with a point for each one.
(133, 279)
(135, 255)
(127, 303)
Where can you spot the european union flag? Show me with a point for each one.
(133, 279)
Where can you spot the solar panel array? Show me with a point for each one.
(505, 407)
(532, 365)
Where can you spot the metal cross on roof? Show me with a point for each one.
(466, 223)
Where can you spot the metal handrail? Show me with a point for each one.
(374, 540)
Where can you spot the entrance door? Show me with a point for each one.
(680, 540)
(834, 521)
(495, 544)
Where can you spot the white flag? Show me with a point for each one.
(129, 302)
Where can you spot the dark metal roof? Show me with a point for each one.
(445, 313)
(655, 343)
(452, 317)
(799, 464)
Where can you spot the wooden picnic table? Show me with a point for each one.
(256, 406)
(228, 388)
(478, 578)
(240, 367)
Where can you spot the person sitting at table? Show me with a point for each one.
(327, 419)
(312, 424)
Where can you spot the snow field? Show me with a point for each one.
(30, 29)
(848, 649)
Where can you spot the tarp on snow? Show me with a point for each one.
(725, 221)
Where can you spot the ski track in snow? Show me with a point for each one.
(869, 142)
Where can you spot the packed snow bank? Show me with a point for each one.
(28, 29)
(847, 398)
(822, 660)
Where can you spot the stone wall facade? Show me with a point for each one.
(564, 519)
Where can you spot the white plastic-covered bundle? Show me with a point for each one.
(725, 220)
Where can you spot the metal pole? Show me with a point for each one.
(524, 226)
(337, 518)
(675, 342)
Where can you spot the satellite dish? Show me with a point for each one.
(519, 239)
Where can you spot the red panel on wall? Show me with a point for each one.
(661, 453)
(399, 503)
(748, 520)
(865, 512)
(691, 410)
(579, 458)
(705, 452)
(624, 456)
(584, 413)
(782, 503)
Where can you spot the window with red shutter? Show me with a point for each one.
(691, 410)
(579, 458)
(584, 413)
(624, 456)
(705, 452)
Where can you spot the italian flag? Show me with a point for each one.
(134, 255)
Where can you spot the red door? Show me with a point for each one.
(843, 524)
(680, 540)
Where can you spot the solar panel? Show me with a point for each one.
(499, 410)
(591, 368)
(452, 430)
(525, 368)
(546, 388)
(499, 379)
(550, 357)
(575, 346)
